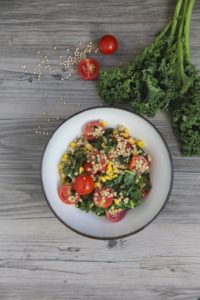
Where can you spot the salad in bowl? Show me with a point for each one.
(105, 171)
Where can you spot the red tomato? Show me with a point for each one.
(93, 129)
(88, 68)
(87, 167)
(103, 197)
(99, 161)
(83, 184)
(116, 217)
(108, 44)
(145, 193)
(65, 194)
(139, 163)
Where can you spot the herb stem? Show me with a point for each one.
(187, 30)
(175, 18)
(180, 41)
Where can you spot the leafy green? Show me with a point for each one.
(129, 187)
(186, 120)
(87, 204)
(76, 159)
(162, 77)
(97, 143)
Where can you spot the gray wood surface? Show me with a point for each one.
(40, 259)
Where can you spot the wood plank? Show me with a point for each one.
(40, 259)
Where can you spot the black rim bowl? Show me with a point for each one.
(133, 232)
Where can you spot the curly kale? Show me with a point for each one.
(160, 78)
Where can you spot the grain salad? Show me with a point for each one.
(105, 171)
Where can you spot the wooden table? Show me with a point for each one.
(39, 257)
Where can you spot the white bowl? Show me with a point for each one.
(89, 224)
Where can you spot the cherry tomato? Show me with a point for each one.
(83, 184)
(116, 217)
(88, 68)
(98, 161)
(139, 163)
(103, 197)
(66, 195)
(145, 193)
(87, 167)
(108, 44)
(93, 129)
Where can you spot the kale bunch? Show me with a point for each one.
(161, 77)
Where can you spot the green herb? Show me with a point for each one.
(108, 132)
(162, 77)
(122, 160)
(127, 185)
(76, 160)
(87, 204)
(97, 143)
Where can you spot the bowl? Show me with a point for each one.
(88, 224)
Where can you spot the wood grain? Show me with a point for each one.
(40, 259)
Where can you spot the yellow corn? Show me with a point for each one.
(103, 145)
(103, 178)
(104, 123)
(135, 152)
(125, 135)
(64, 157)
(117, 201)
(73, 144)
(140, 143)
(97, 184)
(60, 167)
(81, 170)
(114, 176)
(88, 146)
(131, 141)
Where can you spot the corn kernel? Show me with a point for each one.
(117, 201)
(60, 166)
(135, 152)
(126, 130)
(62, 176)
(73, 144)
(103, 178)
(64, 157)
(140, 143)
(81, 170)
(103, 145)
(88, 146)
(97, 184)
(131, 141)
(104, 123)
(125, 135)
(114, 176)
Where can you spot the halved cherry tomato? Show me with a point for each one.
(139, 163)
(103, 197)
(93, 130)
(66, 195)
(87, 167)
(99, 161)
(116, 217)
(88, 68)
(108, 44)
(83, 184)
